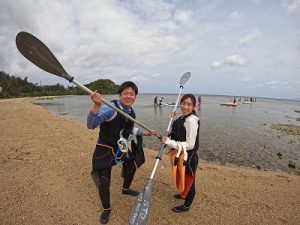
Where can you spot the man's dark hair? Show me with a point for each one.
(128, 84)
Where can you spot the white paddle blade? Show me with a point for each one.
(141, 210)
(184, 78)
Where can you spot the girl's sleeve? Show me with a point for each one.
(191, 132)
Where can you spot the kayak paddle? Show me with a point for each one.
(39, 54)
(140, 212)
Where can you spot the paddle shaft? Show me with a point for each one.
(162, 147)
(84, 88)
(141, 211)
(39, 54)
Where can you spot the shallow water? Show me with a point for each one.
(239, 135)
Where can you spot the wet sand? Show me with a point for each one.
(45, 179)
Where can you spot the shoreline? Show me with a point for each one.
(45, 179)
(250, 144)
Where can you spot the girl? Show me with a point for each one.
(185, 133)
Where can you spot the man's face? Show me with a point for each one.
(127, 97)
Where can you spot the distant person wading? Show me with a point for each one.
(160, 100)
(155, 101)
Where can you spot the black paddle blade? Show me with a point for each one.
(39, 54)
(141, 210)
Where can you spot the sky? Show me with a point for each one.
(231, 47)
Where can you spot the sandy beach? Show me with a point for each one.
(45, 179)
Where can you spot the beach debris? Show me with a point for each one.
(288, 129)
(292, 165)
(258, 167)
(292, 142)
(279, 154)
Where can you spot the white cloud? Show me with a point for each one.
(236, 15)
(247, 79)
(233, 60)
(250, 37)
(236, 60)
(270, 83)
(278, 84)
(216, 64)
(155, 75)
(184, 16)
(292, 7)
(223, 41)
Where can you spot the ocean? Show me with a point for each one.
(240, 135)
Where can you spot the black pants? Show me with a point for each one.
(129, 170)
(190, 196)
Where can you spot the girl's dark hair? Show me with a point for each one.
(128, 84)
(191, 96)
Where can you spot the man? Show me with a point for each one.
(155, 101)
(111, 148)
(199, 100)
(160, 100)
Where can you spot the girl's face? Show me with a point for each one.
(127, 97)
(187, 107)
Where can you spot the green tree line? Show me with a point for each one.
(14, 87)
